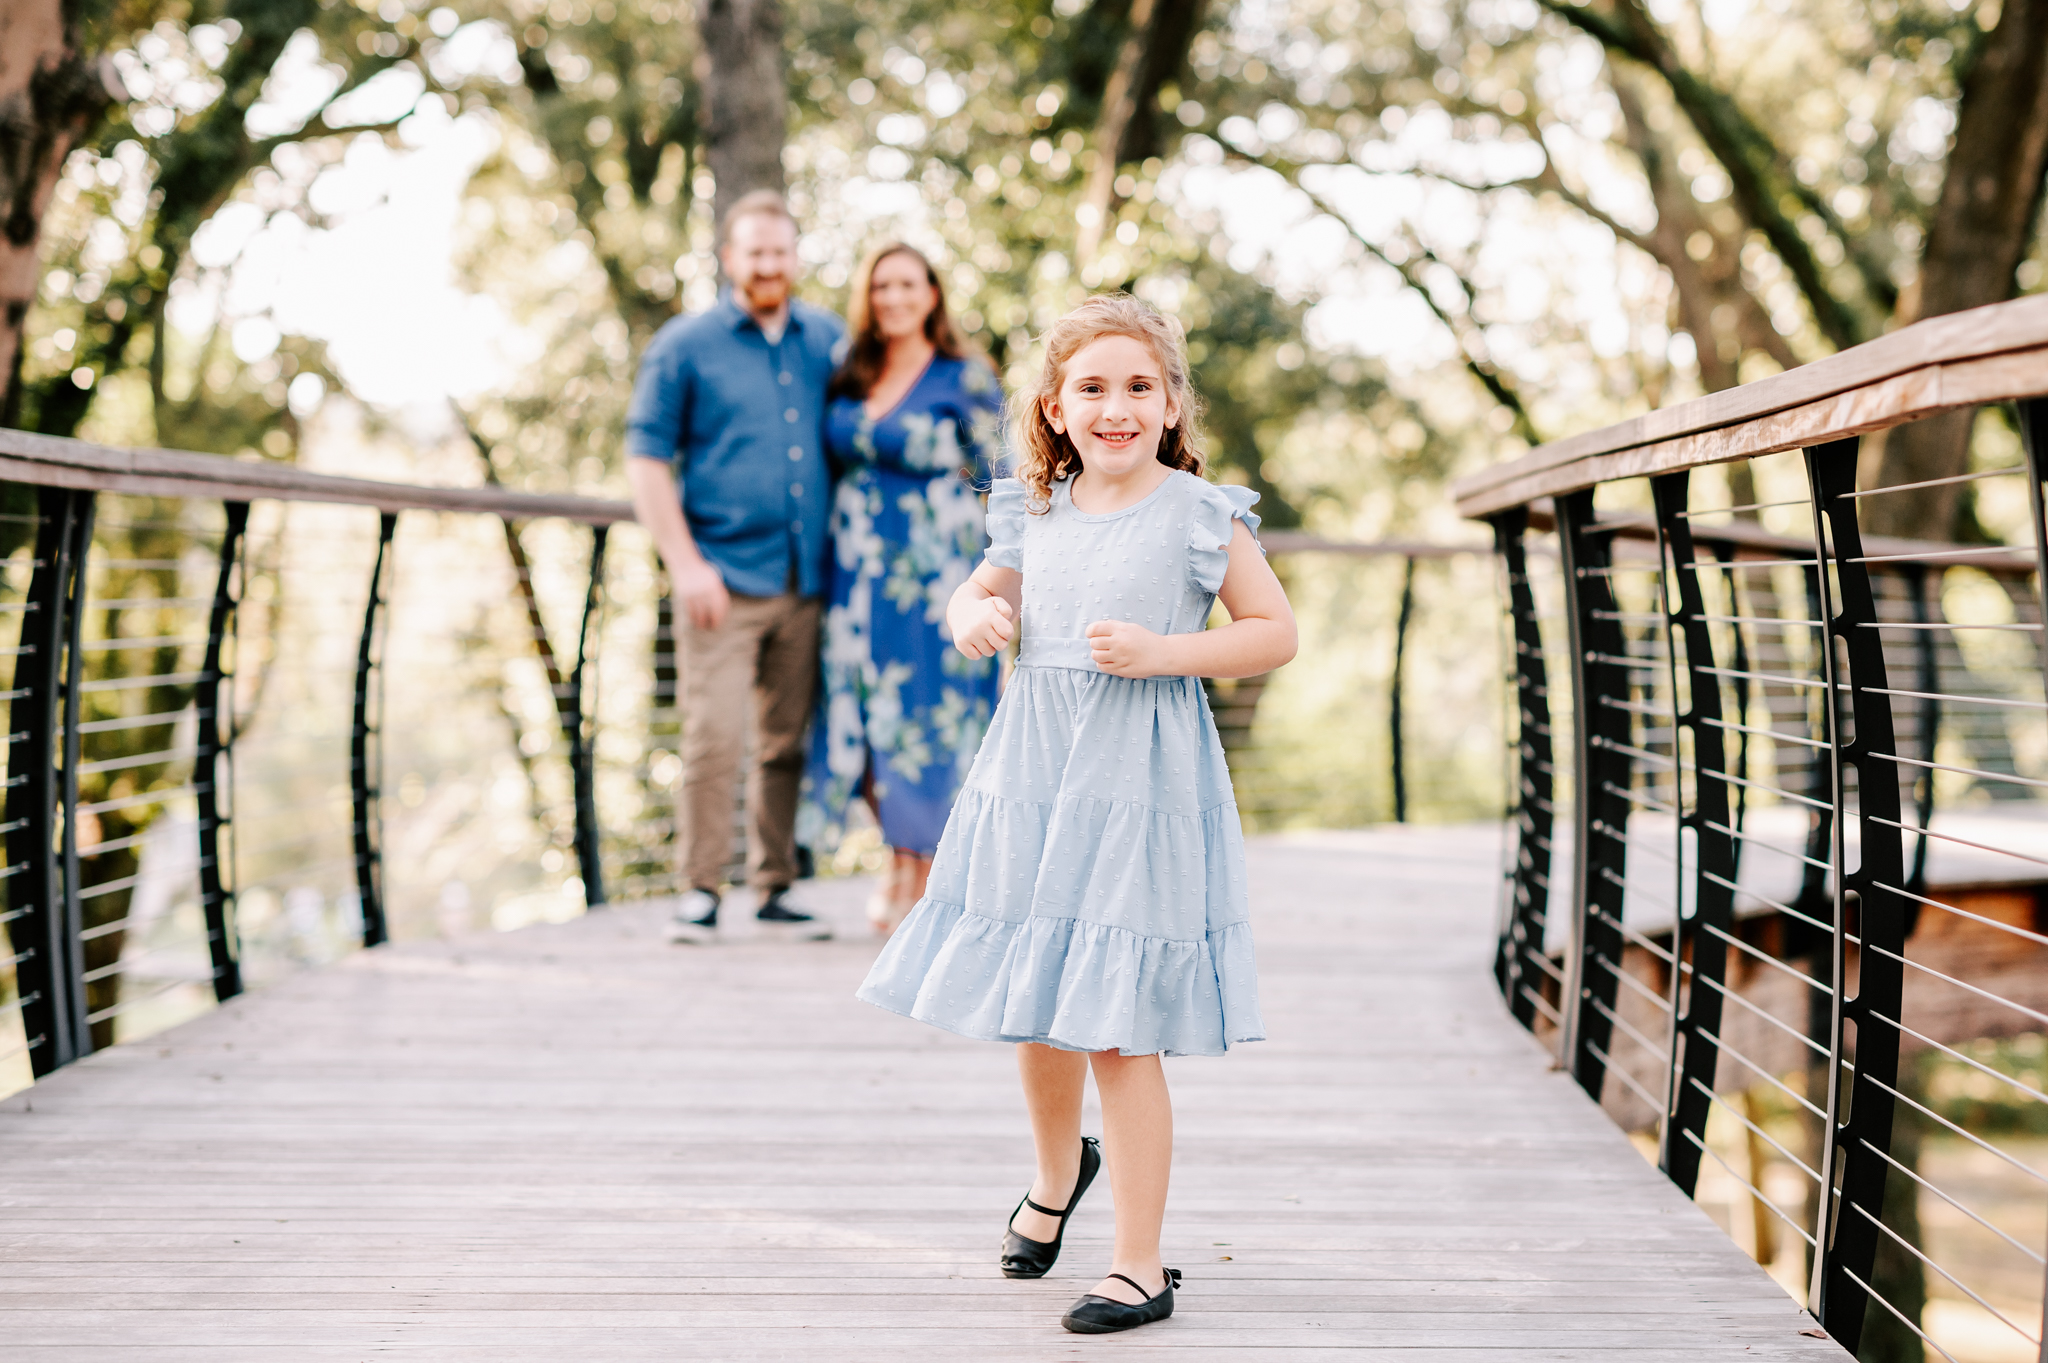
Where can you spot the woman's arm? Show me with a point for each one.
(1259, 637)
(982, 616)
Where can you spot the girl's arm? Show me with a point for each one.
(982, 615)
(1259, 637)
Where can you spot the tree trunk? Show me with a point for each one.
(1155, 51)
(50, 93)
(745, 95)
(1976, 240)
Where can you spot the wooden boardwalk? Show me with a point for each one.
(576, 1143)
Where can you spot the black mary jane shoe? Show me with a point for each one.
(1024, 1257)
(1093, 1315)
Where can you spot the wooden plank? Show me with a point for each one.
(572, 1141)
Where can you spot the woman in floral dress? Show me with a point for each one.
(911, 430)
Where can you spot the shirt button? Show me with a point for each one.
(796, 489)
(789, 415)
(796, 527)
(796, 452)
(786, 377)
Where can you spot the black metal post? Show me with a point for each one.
(42, 789)
(1744, 688)
(208, 772)
(1601, 790)
(1394, 700)
(1928, 683)
(2033, 421)
(366, 755)
(1859, 1131)
(1699, 942)
(1534, 808)
(582, 764)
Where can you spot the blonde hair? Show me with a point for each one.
(1044, 455)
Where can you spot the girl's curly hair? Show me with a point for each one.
(1043, 456)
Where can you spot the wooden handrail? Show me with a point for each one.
(1963, 359)
(52, 461)
(1296, 542)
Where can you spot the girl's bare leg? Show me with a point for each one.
(1137, 1138)
(913, 871)
(1053, 1081)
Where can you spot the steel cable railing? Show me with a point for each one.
(1345, 743)
(205, 757)
(1818, 840)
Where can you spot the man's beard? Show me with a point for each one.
(766, 295)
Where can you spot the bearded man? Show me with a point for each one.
(727, 466)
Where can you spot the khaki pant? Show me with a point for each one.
(768, 646)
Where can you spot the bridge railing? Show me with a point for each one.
(1778, 894)
(196, 682)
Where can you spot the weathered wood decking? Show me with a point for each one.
(577, 1143)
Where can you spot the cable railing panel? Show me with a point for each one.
(1882, 970)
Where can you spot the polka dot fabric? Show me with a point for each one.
(1089, 890)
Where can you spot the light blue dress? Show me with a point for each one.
(1089, 889)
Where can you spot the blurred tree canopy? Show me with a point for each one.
(1586, 209)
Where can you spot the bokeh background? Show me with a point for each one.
(428, 243)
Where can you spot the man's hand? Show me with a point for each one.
(702, 593)
(1123, 649)
(983, 628)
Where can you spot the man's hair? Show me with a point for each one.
(760, 203)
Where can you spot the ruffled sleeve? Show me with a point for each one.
(1209, 531)
(1006, 512)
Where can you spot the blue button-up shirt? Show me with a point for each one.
(741, 419)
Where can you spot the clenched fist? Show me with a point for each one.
(984, 628)
(1123, 649)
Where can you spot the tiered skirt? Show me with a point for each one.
(1089, 889)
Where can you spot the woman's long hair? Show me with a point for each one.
(1044, 455)
(863, 364)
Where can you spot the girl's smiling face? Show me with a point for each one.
(1113, 404)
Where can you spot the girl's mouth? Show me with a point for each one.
(1115, 439)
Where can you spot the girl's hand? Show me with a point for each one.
(983, 628)
(1123, 649)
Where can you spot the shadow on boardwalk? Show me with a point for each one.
(576, 1143)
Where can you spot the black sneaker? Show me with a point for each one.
(780, 920)
(696, 920)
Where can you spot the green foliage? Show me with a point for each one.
(1995, 1089)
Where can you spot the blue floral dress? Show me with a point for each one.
(907, 528)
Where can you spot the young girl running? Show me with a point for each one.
(1087, 901)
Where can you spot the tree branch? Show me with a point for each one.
(522, 576)
(1755, 165)
(1479, 365)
